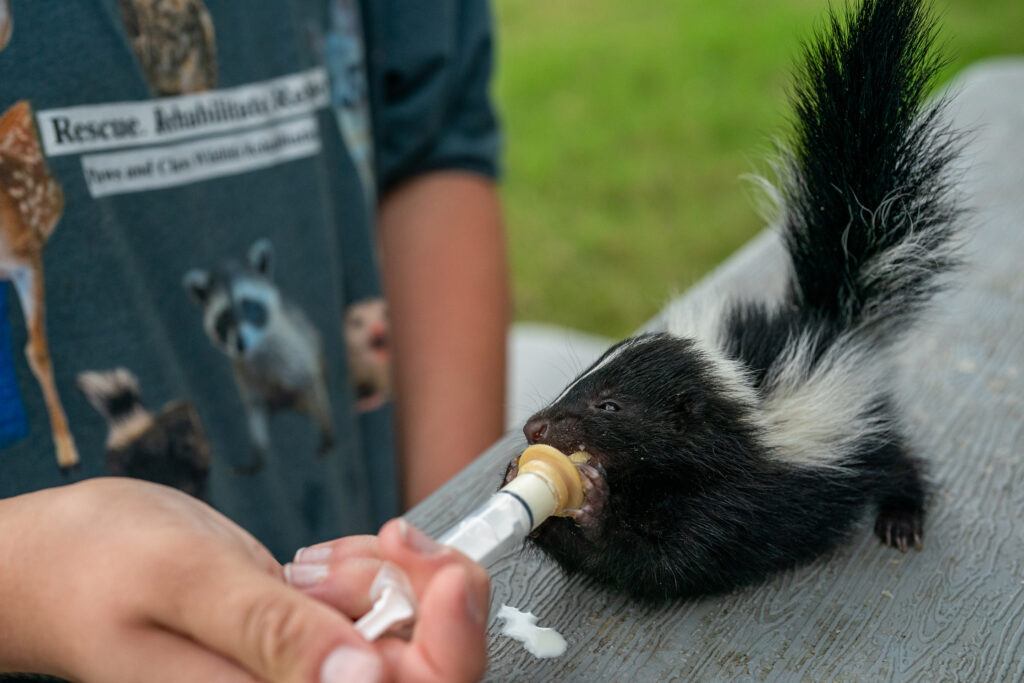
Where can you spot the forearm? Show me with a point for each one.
(26, 593)
(443, 259)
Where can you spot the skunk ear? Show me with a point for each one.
(261, 257)
(690, 406)
(197, 283)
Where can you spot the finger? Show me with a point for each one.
(274, 631)
(157, 656)
(449, 642)
(344, 585)
(418, 555)
(341, 548)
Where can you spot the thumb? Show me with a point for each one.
(271, 629)
(449, 641)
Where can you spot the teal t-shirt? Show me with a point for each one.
(190, 291)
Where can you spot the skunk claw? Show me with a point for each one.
(587, 518)
(900, 529)
(595, 496)
(584, 515)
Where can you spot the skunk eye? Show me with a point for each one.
(609, 406)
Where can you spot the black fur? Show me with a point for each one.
(700, 493)
(123, 402)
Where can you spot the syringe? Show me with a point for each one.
(546, 485)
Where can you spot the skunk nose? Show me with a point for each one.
(535, 430)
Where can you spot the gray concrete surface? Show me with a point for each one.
(954, 611)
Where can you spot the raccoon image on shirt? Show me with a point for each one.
(275, 351)
(168, 447)
(175, 44)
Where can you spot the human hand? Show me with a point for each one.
(453, 593)
(120, 580)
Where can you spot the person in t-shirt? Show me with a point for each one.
(202, 203)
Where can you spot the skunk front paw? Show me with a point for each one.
(900, 528)
(595, 497)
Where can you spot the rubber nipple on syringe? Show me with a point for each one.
(558, 471)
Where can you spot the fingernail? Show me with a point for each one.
(476, 611)
(305, 575)
(317, 553)
(417, 540)
(348, 665)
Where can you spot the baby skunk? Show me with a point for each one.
(751, 438)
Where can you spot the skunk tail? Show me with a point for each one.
(868, 209)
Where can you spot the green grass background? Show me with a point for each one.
(629, 125)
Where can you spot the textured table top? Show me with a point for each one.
(954, 610)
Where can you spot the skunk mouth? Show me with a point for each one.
(595, 487)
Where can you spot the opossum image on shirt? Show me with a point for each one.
(175, 44)
(31, 204)
(168, 447)
(275, 351)
(367, 340)
(6, 23)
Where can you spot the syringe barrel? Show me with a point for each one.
(490, 529)
(547, 484)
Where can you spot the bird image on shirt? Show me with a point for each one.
(175, 44)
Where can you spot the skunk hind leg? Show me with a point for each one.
(900, 521)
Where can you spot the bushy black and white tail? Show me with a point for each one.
(868, 209)
(869, 220)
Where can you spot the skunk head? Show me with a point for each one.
(664, 420)
(650, 404)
